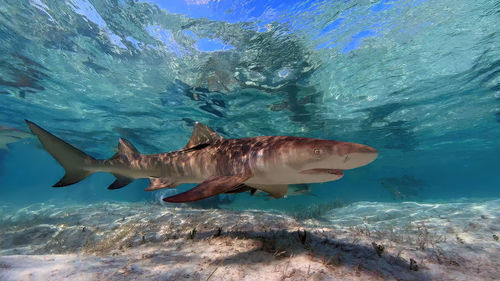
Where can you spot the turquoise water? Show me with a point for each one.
(418, 80)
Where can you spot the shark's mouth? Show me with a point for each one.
(322, 171)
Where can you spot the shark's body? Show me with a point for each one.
(221, 165)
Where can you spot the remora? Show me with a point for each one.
(220, 165)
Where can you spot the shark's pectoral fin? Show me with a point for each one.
(208, 188)
(275, 190)
(159, 183)
(120, 182)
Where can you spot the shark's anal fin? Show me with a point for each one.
(159, 183)
(209, 188)
(120, 182)
(202, 134)
(275, 190)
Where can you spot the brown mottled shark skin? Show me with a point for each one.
(220, 165)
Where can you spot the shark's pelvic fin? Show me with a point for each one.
(120, 182)
(159, 183)
(73, 160)
(208, 188)
(202, 134)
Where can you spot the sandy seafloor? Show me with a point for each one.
(123, 241)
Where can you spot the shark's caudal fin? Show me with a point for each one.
(73, 160)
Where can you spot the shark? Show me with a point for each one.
(218, 164)
(403, 187)
(11, 135)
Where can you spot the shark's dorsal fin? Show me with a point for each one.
(125, 148)
(202, 134)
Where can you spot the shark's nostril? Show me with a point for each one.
(346, 158)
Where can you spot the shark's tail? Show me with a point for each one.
(74, 161)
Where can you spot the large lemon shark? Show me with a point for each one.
(220, 165)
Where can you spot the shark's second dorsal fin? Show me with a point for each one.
(125, 148)
(202, 134)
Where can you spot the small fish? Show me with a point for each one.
(300, 189)
(293, 190)
(209, 108)
(402, 187)
(97, 68)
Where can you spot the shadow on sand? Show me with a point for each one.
(319, 247)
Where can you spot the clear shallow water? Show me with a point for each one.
(418, 80)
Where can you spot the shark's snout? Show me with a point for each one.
(359, 155)
(367, 149)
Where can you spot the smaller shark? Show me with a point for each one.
(10, 135)
(293, 190)
(220, 165)
(300, 189)
(403, 187)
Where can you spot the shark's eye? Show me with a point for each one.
(317, 151)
